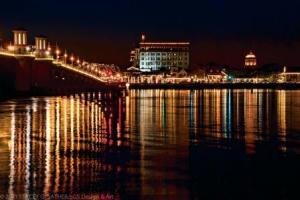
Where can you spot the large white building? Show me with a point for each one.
(153, 56)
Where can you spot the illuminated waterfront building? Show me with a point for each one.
(250, 60)
(153, 56)
(217, 76)
(135, 57)
(290, 74)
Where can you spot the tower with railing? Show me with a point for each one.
(41, 46)
(20, 41)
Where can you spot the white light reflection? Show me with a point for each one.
(48, 149)
(57, 130)
(72, 144)
(282, 118)
(12, 154)
(28, 151)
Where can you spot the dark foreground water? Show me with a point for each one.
(152, 144)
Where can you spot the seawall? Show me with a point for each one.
(189, 86)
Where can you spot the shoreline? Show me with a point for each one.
(189, 86)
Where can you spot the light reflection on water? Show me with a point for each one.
(59, 144)
(175, 143)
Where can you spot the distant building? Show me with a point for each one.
(250, 60)
(217, 76)
(153, 56)
(290, 74)
(135, 57)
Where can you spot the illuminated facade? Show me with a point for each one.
(290, 74)
(250, 60)
(134, 57)
(153, 56)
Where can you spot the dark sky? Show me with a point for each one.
(222, 31)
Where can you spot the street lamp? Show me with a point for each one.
(78, 61)
(49, 47)
(11, 48)
(57, 54)
(48, 52)
(72, 60)
(65, 57)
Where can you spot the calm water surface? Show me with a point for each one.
(152, 144)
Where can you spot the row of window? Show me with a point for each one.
(164, 63)
(166, 58)
(167, 48)
(163, 53)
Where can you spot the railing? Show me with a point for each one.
(16, 53)
(80, 71)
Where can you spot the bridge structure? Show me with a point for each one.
(43, 69)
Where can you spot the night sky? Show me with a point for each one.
(220, 31)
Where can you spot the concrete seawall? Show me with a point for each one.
(287, 86)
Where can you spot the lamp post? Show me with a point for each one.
(57, 54)
(48, 52)
(65, 57)
(72, 60)
(11, 48)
